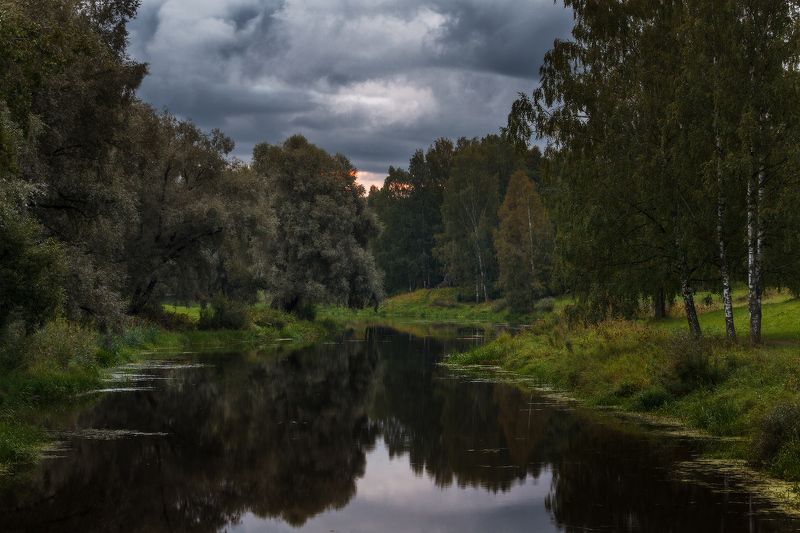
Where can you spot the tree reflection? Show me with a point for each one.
(287, 437)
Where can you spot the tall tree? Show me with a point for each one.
(469, 212)
(68, 83)
(523, 242)
(769, 55)
(629, 209)
(177, 176)
(409, 207)
(324, 227)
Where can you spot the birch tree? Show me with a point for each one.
(469, 213)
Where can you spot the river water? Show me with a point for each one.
(363, 435)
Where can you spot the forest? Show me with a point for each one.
(670, 167)
(652, 171)
(110, 207)
(663, 174)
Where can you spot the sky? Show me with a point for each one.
(372, 79)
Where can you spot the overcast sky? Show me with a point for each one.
(371, 79)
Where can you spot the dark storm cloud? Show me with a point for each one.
(373, 79)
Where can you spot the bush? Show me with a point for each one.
(62, 344)
(443, 303)
(173, 321)
(652, 398)
(786, 464)
(777, 443)
(12, 346)
(544, 305)
(222, 313)
(306, 311)
(134, 336)
(691, 366)
(267, 317)
(499, 305)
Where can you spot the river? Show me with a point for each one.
(363, 435)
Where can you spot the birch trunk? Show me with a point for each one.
(530, 241)
(755, 193)
(722, 205)
(691, 310)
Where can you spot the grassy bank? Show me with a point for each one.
(748, 394)
(439, 305)
(50, 368)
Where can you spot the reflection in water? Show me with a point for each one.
(322, 439)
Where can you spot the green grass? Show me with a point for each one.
(191, 312)
(727, 390)
(780, 323)
(434, 305)
(53, 366)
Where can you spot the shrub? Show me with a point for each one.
(499, 305)
(12, 345)
(134, 336)
(777, 444)
(652, 398)
(306, 311)
(544, 305)
(223, 313)
(786, 464)
(173, 321)
(62, 344)
(691, 366)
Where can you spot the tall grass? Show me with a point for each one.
(726, 390)
(439, 305)
(54, 364)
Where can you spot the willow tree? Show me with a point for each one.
(68, 82)
(176, 175)
(324, 227)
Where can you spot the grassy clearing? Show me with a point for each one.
(781, 320)
(437, 305)
(751, 394)
(53, 366)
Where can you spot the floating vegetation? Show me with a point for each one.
(118, 389)
(102, 434)
(775, 495)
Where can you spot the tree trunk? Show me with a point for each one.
(141, 297)
(755, 191)
(481, 270)
(722, 205)
(691, 311)
(659, 305)
(530, 241)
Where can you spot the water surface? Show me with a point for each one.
(367, 434)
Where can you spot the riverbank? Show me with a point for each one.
(54, 366)
(445, 305)
(747, 396)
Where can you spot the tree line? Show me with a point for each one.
(108, 207)
(671, 165)
(467, 214)
(672, 133)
